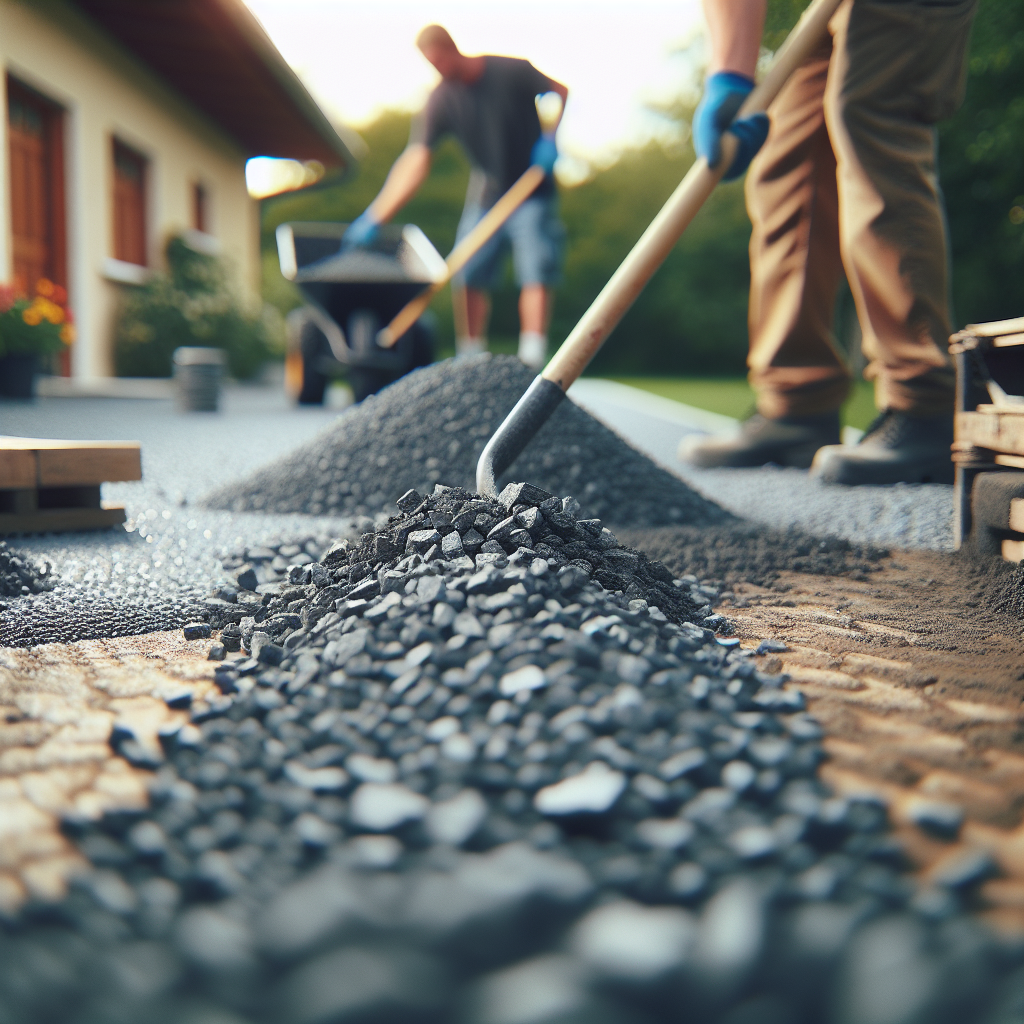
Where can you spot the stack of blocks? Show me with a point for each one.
(55, 485)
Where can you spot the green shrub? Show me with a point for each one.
(192, 304)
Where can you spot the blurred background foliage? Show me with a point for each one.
(691, 319)
(192, 304)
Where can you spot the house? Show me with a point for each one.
(128, 121)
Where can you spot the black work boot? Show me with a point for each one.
(789, 441)
(897, 448)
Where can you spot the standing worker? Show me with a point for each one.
(489, 104)
(846, 181)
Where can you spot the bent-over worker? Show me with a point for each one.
(846, 181)
(489, 104)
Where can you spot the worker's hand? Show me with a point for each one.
(724, 93)
(362, 231)
(544, 153)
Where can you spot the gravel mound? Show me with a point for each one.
(431, 426)
(20, 576)
(65, 615)
(1012, 597)
(488, 790)
(751, 553)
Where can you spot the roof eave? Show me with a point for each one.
(254, 33)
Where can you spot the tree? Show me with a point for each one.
(981, 167)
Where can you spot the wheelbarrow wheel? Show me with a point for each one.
(314, 385)
(368, 382)
(418, 346)
(309, 347)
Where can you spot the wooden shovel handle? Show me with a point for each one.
(464, 252)
(675, 216)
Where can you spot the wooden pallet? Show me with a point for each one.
(989, 438)
(54, 485)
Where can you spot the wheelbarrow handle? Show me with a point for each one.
(491, 221)
(644, 259)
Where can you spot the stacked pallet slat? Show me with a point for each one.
(54, 485)
(988, 449)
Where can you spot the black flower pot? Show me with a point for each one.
(18, 375)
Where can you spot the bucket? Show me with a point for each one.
(197, 375)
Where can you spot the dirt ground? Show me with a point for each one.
(58, 706)
(916, 679)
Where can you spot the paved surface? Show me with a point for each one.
(905, 516)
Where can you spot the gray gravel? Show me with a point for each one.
(152, 575)
(904, 516)
(482, 788)
(20, 576)
(431, 427)
(149, 574)
(480, 765)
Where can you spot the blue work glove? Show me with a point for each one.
(361, 232)
(724, 93)
(544, 153)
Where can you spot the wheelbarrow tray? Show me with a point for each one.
(380, 278)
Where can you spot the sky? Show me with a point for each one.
(358, 57)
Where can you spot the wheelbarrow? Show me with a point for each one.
(350, 297)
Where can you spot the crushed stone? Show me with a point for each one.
(750, 553)
(20, 575)
(488, 790)
(1011, 598)
(431, 427)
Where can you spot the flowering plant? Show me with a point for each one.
(42, 325)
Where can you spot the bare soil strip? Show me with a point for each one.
(58, 706)
(920, 695)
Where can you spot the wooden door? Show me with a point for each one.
(35, 139)
(35, 133)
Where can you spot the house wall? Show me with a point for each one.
(106, 93)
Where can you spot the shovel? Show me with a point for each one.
(500, 212)
(548, 389)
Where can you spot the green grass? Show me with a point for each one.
(732, 396)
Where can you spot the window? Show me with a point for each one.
(129, 205)
(200, 209)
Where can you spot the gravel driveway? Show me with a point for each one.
(171, 550)
(907, 516)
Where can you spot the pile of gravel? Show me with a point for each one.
(487, 790)
(1011, 598)
(70, 613)
(20, 576)
(433, 424)
(750, 553)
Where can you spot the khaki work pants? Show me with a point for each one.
(846, 181)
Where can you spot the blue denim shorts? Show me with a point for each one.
(536, 237)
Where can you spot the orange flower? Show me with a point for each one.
(60, 296)
(32, 316)
(67, 334)
(45, 287)
(50, 311)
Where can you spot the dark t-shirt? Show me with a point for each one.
(495, 119)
